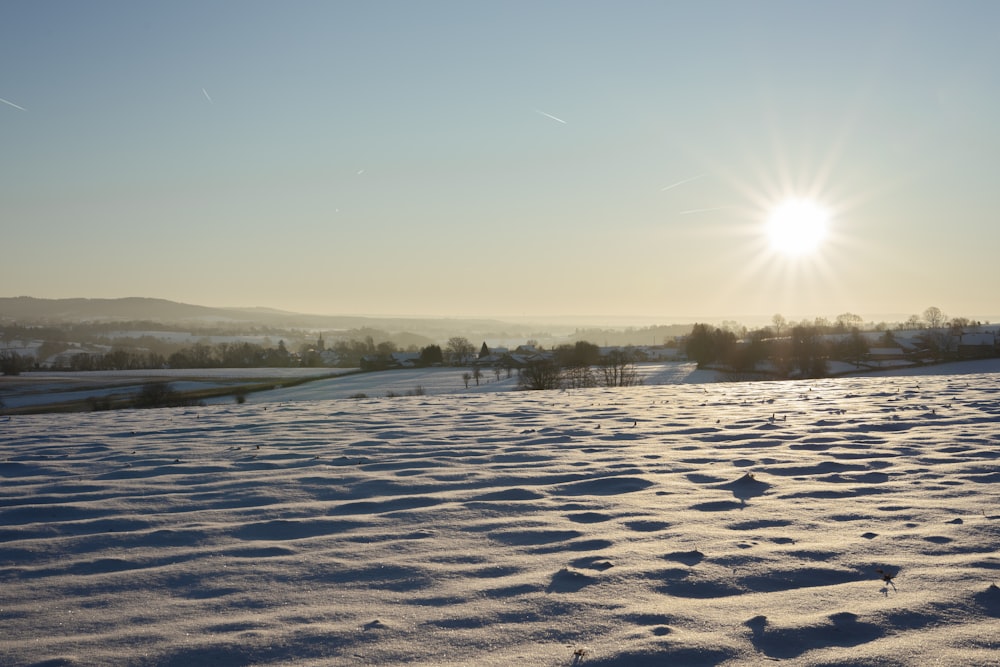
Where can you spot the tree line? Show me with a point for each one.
(580, 366)
(366, 354)
(803, 348)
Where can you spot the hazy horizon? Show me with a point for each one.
(523, 160)
(750, 320)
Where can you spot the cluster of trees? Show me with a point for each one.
(355, 353)
(199, 355)
(350, 353)
(931, 318)
(139, 344)
(160, 395)
(12, 363)
(232, 355)
(806, 348)
(369, 355)
(118, 359)
(151, 395)
(579, 366)
(803, 351)
(365, 353)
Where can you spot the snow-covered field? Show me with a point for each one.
(447, 381)
(48, 388)
(850, 521)
(37, 389)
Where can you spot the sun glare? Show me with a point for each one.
(797, 226)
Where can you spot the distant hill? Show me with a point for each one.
(31, 310)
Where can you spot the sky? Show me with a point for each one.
(516, 158)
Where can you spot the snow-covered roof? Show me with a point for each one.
(977, 339)
(885, 351)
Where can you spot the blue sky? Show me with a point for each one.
(501, 158)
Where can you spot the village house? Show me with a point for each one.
(977, 345)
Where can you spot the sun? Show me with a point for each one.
(797, 227)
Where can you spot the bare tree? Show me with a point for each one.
(618, 369)
(576, 361)
(779, 322)
(477, 374)
(854, 348)
(848, 321)
(540, 374)
(578, 377)
(386, 348)
(465, 378)
(934, 317)
(808, 351)
(459, 350)
(735, 327)
(939, 344)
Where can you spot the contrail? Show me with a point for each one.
(548, 115)
(680, 183)
(207, 96)
(22, 108)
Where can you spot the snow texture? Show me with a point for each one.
(849, 521)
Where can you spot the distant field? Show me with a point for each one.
(50, 391)
(55, 391)
(68, 391)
